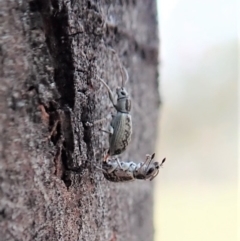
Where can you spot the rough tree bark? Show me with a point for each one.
(51, 53)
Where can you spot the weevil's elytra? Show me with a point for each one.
(116, 171)
(128, 105)
(119, 140)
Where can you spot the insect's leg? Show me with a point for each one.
(154, 175)
(106, 158)
(95, 122)
(106, 131)
(151, 158)
(145, 162)
(119, 164)
(99, 168)
(109, 131)
(113, 168)
(99, 121)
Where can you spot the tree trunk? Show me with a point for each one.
(52, 53)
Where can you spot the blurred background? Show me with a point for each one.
(196, 191)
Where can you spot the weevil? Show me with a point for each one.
(120, 129)
(116, 171)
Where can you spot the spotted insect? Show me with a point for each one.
(120, 171)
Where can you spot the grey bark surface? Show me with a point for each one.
(51, 53)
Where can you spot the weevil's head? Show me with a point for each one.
(123, 100)
(122, 93)
(152, 170)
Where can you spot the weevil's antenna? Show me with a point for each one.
(125, 76)
(152, 156)
(164, 159)
(110, 93)
(124, 73)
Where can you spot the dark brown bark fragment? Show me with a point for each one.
(51, 53)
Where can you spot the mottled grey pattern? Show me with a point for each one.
(121, 136)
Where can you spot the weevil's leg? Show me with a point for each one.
(106, 158)
(99, 121)
(95, 122)
(110, 93)
(109, 131)
(119, 164)
(154, 175)
(114, 167)
(99, 168)
(145, 162)
(105, 131)
(110, 170)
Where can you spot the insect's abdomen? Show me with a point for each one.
(122, 125)
(118, 176)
